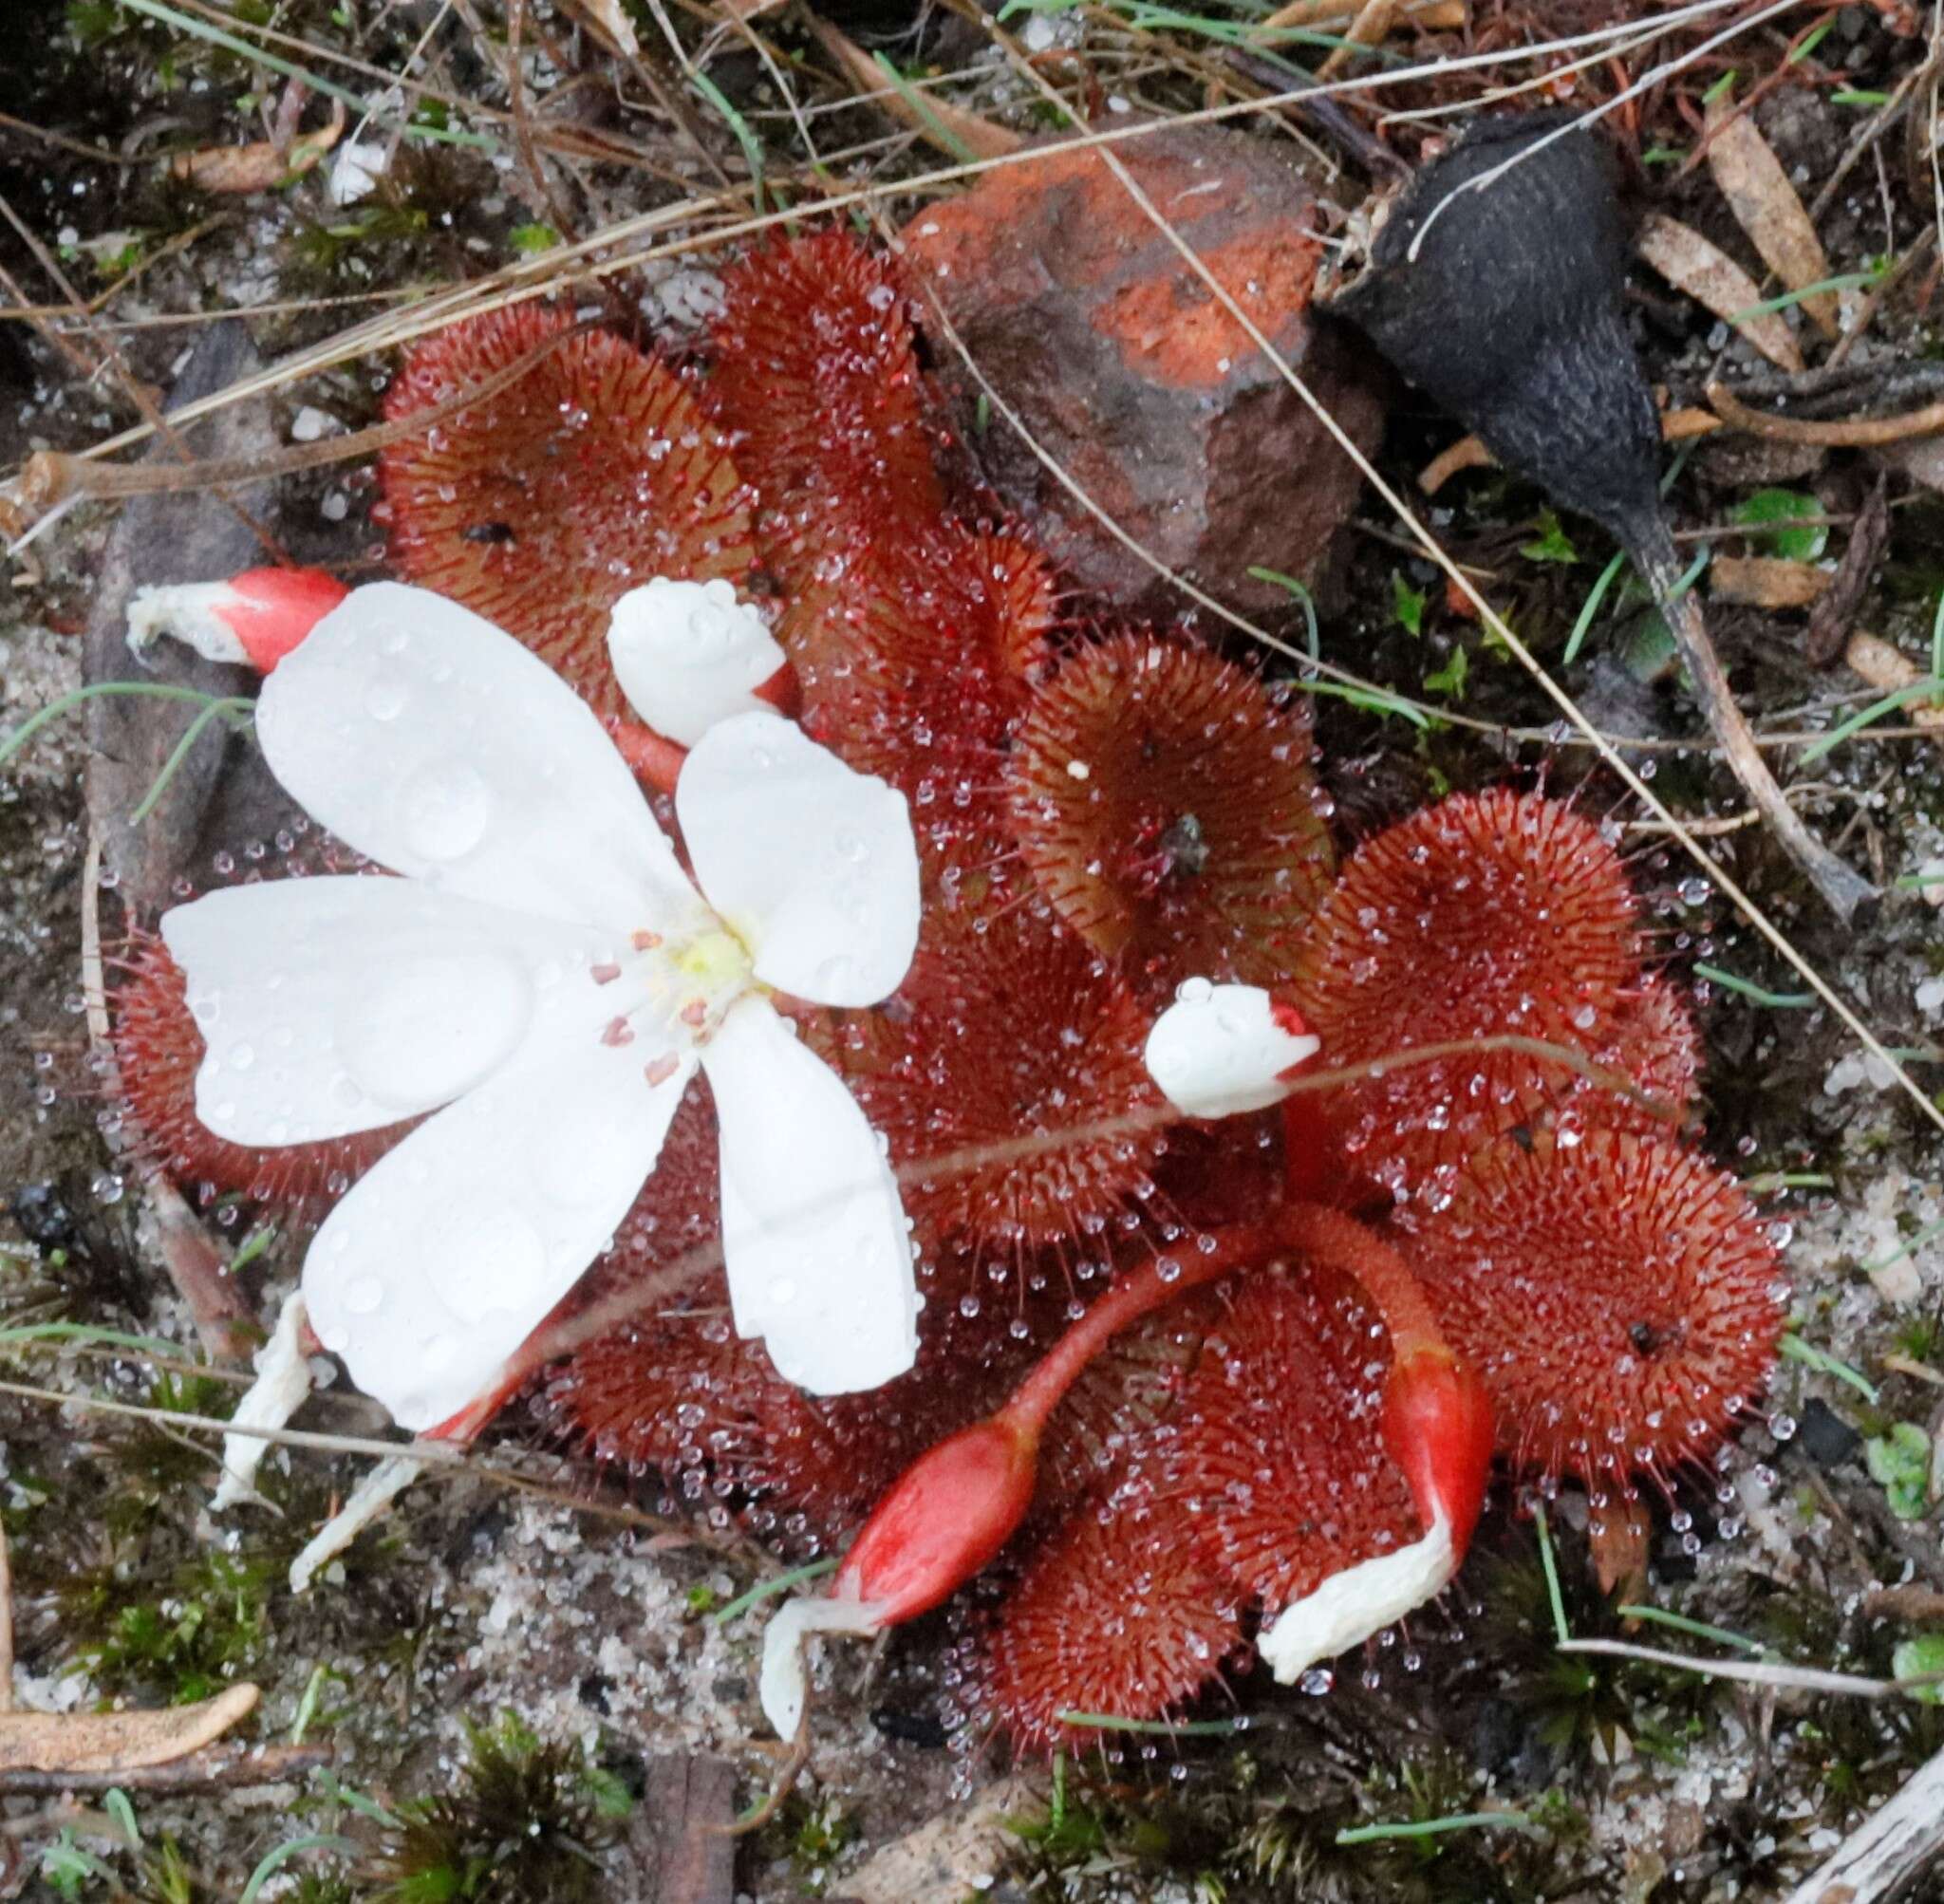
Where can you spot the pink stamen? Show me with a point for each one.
(644, 941)
(663, 1068)
(694, 1012)
(606, 974)
(618, 1032)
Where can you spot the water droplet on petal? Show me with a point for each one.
(447, 806)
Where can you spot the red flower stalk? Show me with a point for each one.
(961, 1501)
(816, 379)
(1488, 914)
(1618, 1295)
(157, 1049)
(540, 505)
(1166, 806)
(254, 618)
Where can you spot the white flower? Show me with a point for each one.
(544, 978)
(1221, 1050)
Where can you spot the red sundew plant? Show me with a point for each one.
(1021, 1037)
(1488, 914)
(1297, 1453)
(1114, 1614)
(543, 505)
(815, 375)
(1617, 1295)
(1165, 807)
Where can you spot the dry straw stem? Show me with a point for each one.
(1892, 1848)
(614, 248)
(1488, 616)
(1764, 1672)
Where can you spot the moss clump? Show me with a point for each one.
(526, 1823)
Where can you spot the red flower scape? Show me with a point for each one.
(1493, 1237)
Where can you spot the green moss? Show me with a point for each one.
(526, 1823)
(211, 1627)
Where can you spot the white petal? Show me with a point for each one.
(444, 1257)
(688, 654)
(1219, 1050)
(424, 736)
(1350, 1606)
(282, 1385)
(335, 1005)
(187, 611)
(782, 1685)
(813, 866)
(813, 1234)
(367, 1501)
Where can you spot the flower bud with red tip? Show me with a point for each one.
(1437, 1428)
(255, 618)
(956, 1506)
(949, 1514)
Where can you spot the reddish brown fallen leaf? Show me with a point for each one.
(1765, 206)
(1617, 1541)
(111, 1742)
(1690, 263)
(236, 169)
(1765, 581)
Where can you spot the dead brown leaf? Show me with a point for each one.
(234, 170)
(950, 128)
(1618, 1543)
(1765, 582)
(1836, 611)
(1883, 667)
(111, 1742)
(608, 24)
(1690, 263)
(1765, 206)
